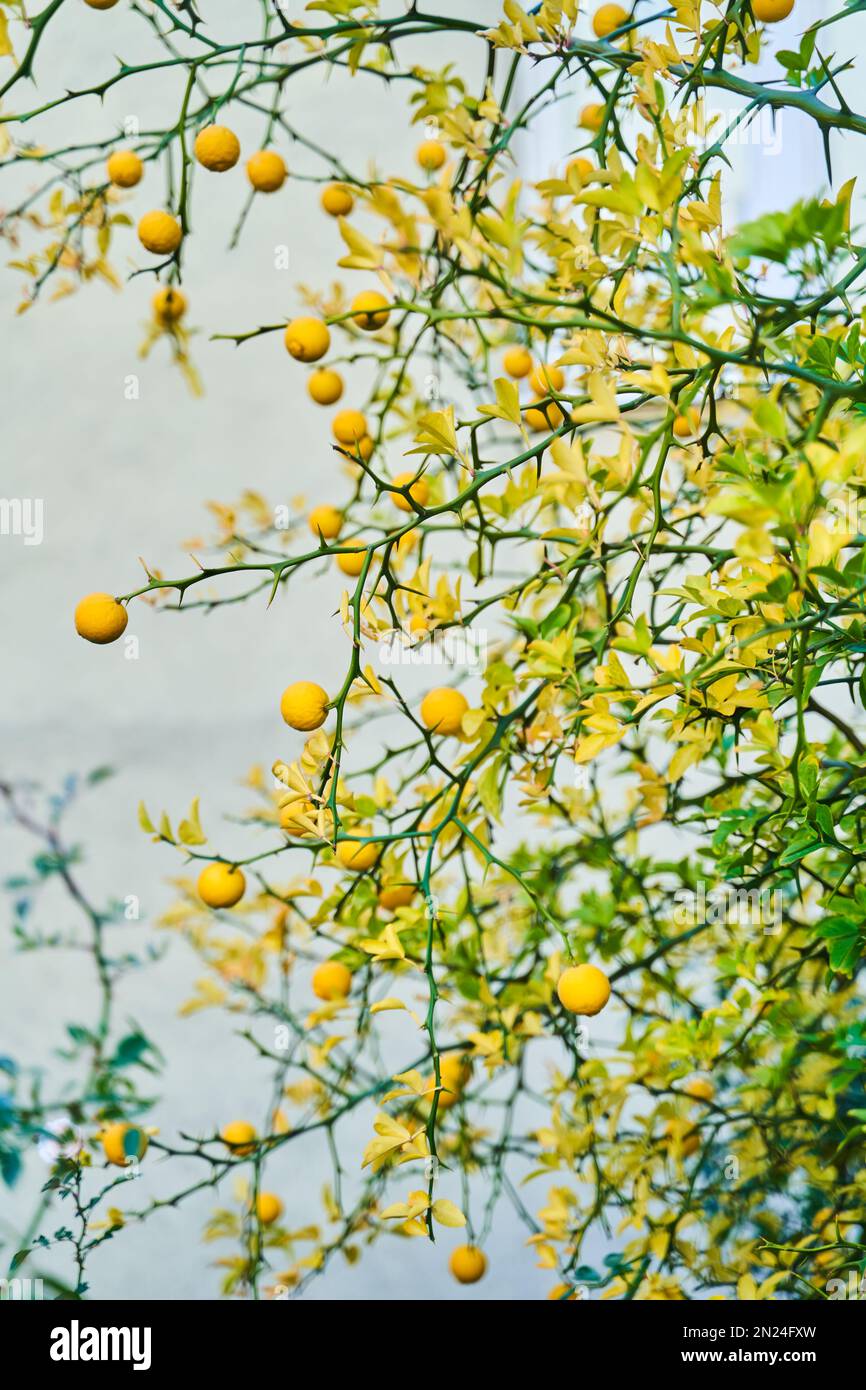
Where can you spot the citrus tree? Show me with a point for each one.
(579, 925)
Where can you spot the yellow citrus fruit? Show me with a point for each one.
(442, 710)
(394, 895)
(583, 989)
(269, 1208)
(771, 11)
(325, 386)
(355, 856)
(220, 885)
(365, 448)
(169, 304)
(541, 419)
(517, 362)
(699, 1088)
(687, 424)
(431, 154)
(337, 200)
(240, 1136)
(100, 618)
(682, 1136)
(580, 166)
(307, 339)
(304, 705)
(351, 562)
(124, 168)
(419, 491)
(607, 18)
(266, 171)
(160, 233)
(467, 1264)
(325, 521)
(546, 379)
(592, 116)
(455, 1074)
(370, 310)
(349, 426)
(331, 980)
(101, 4)
(217, 148)
(117, 1149)
(290, 817)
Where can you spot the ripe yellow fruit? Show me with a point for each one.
(419, 491)
(240, 1136)
(394, 895)
(771, 11)
(351, 562)
(307, 339)
(117, 1149)
(217, 148)
(370, 310)
(160, 233)
(101, 4)
(365, 448)
(355, 856)
(541, 419)
(467, 1264)
(337, 200)
(304, 705)
(169, 304)
(290, 817)
(100, 618)
(607, 18)
(331, 980)
(687, 424)
(269, 1208)
(349, 426)
(442, 710)
(517, 362)
(546, 379)
(431, 155)
(579, 166)
(325, 521)
(220, 885)
(124, 168)
(266, 171)
(325, 386)
(699, 1088)
(682, 1136)
(455, 1074)
(592, 116)
(583, 989)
